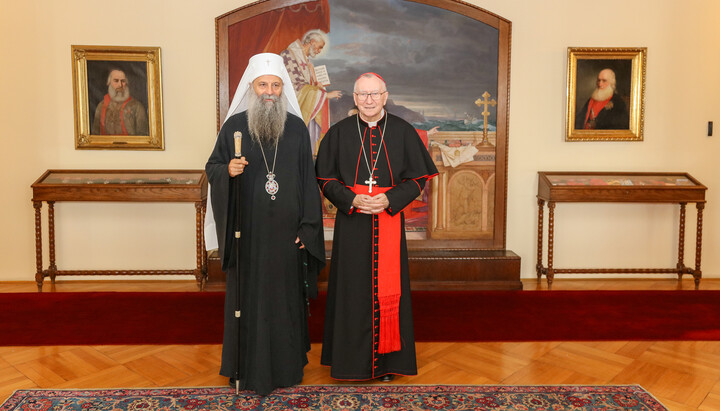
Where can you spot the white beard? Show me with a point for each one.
(266, 120)
(118, 97)
(602, 94)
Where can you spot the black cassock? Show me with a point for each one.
(274, 339)
(350, 337)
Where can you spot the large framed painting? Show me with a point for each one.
(606, 94)
(117, 93)
(447, 68)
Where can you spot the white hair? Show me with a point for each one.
(317, 35)
(612, 80)
(370, 75)
(127, 81)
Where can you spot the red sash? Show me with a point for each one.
(388, 274)
(106, 103)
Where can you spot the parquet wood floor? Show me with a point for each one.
(683, 375)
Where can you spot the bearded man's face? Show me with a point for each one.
(267, 110)
(605, 86)
(118, 86)
(268, 84)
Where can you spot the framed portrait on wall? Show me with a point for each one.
(117, 96)
(605, 94)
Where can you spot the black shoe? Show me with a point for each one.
(386, 378)
(232, 382)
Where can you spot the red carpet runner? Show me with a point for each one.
(94, 318)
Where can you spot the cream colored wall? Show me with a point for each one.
(36, 78)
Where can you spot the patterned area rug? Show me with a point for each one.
(345, 397)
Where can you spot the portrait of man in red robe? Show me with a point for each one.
(603, 92)
(118, 97)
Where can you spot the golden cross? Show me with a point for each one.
(484, 103)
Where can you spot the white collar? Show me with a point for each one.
(372, 124)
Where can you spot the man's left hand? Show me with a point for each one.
(297, 241)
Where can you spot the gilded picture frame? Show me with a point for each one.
(117, 95)
(605, 93)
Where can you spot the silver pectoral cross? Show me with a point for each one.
(370, 182)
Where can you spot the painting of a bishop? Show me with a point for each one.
(308, 83)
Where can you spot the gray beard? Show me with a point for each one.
(266, 120)
(118, 97)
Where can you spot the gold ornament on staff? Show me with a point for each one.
(484, 103)
(237, 136)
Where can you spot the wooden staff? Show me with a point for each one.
(238, 220)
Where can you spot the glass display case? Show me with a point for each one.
(120, 186)
(633, 187)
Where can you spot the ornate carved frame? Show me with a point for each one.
(148, 56)
(504, 27)
(634, 78)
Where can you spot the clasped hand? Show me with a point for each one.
(371, 204)
(237, 166)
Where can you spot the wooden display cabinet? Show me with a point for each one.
(636, 187)
(118, 186)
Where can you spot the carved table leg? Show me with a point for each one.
(52, 269)
(199, 244)
(38, 245)
(697, 274)
(551, 241)
(538, 266)
(202, 248)
(681, 243)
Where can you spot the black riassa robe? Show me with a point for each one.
(351, 316)
(274, 338)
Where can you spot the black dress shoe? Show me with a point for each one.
(386, 378)
(232, 382)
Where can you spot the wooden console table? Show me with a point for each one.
(595, 187)
(120, 186)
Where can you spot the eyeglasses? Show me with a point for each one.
(375, 95)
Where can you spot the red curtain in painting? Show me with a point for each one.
(272, 32)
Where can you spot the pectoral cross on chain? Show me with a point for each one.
(370, 182)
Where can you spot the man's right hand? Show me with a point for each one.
(237, 166)
(366, 204)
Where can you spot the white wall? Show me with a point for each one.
(36, 126)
